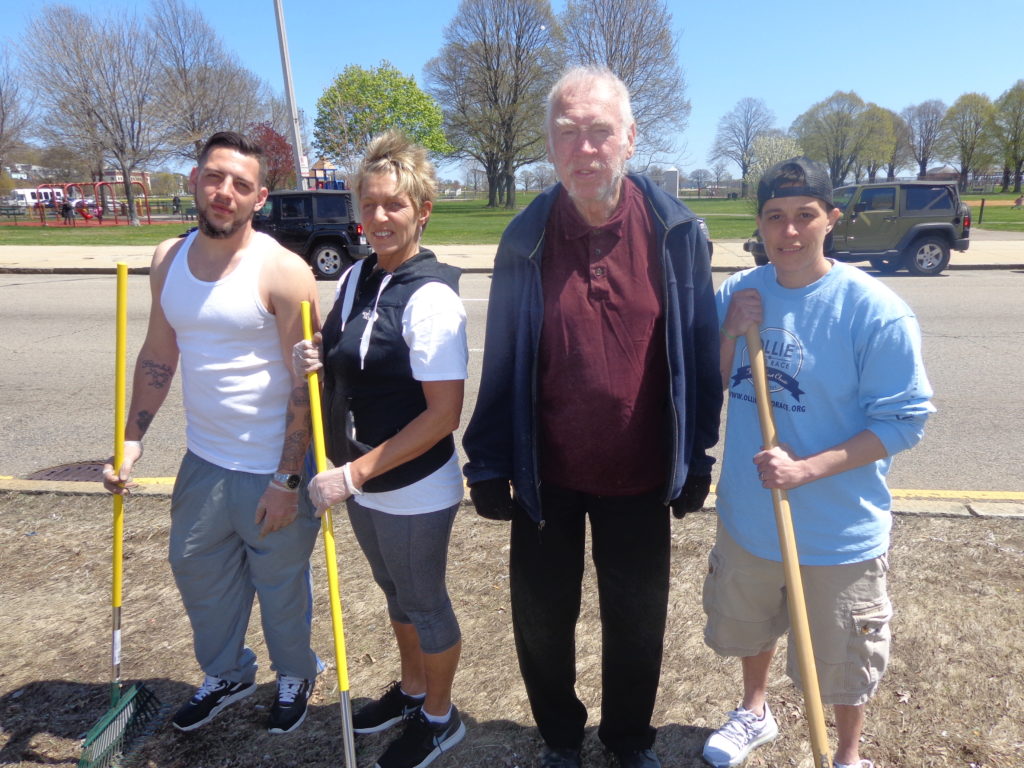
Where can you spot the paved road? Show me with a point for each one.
(58, 363)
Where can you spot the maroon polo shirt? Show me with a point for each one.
(603, 372)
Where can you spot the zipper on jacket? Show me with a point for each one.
(668, 357)
(533, 387)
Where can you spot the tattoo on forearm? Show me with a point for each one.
(299, 396)
(143, 420)
(295, 444)
(158, 374)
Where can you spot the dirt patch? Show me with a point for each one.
(952, 697)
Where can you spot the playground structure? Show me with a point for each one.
(105, 203)
(324, 176)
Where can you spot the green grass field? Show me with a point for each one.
(470, 222)
(57, 234)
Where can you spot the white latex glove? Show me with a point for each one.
(330, 487)
(120, 483)
(306, 356)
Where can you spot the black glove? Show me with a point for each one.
(691, 498)
(493, 498)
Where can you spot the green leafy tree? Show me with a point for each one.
(362, 103)
(969, 134)
(833, 132)
(1009, 130)
(880, 139)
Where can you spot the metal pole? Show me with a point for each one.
(289, 93)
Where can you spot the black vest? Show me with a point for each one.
(369, 400)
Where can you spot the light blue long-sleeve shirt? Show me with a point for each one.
(843, 355)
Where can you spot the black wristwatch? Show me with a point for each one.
(291, 482)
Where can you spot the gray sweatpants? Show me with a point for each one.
(220, 562)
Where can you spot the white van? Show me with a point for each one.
(31, 195)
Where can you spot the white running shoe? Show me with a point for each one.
(729, 745)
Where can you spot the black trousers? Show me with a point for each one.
(631, 551)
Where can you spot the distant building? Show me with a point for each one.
(114, 176)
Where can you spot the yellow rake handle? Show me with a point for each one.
(790, 564)
(120, 379)
(337, 624)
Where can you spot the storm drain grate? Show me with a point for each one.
(82, 471)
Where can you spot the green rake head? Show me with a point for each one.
(127, 720)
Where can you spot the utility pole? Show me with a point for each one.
(301, 169)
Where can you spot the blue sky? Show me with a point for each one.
(791, 54)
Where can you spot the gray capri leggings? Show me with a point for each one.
(408, 556)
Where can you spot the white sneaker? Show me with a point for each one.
(859, 764)
(744, 731)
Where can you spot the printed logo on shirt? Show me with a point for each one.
(784, 357)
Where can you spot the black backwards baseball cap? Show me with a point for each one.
(796, 177)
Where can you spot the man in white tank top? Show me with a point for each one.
(226, 302)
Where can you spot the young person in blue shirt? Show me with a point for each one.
(848, 391)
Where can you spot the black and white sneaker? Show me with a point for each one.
(422, 741)
(289, 708)
(390, 709)
(213, 696)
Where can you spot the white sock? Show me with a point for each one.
(417, 696)
(437, 719)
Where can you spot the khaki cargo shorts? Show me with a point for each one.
(848, 611)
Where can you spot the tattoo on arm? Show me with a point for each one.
(143, 420)
(158, 374)
(297, 432)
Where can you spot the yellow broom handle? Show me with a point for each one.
(799, 624)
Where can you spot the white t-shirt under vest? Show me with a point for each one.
(234, 378)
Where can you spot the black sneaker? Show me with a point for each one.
(289, 708)
(390, 709)
(554, 757)
(213, 695)
(422, 741)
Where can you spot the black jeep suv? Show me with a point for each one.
(320, 225)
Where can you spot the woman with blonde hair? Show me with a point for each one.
(395, 361)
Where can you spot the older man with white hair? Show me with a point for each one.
(599, 399)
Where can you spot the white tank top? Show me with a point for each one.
(234, 380)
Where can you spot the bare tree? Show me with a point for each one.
(925, 131)
(720, 173)
(1009, 129)
(490, 79)
(202, 88)
(737, 131)
(96, 81)
(15, 115)
(634, 39)
(969, 133)
(701, 178)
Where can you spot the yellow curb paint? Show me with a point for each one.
(961, 495)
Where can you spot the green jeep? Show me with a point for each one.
(912, 224)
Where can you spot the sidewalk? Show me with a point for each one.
(989, 250)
